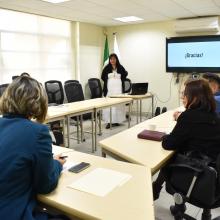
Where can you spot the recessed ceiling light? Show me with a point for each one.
(129, 19)
(55, 1)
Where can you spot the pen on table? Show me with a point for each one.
(62, 157)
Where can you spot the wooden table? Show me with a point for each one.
(102, 103)
(138, 99)
(56, 114)
(132, 200)
(127, 147)
(65, 111)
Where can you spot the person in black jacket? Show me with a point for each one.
(113, 66)
(114, 75)
(197, 129)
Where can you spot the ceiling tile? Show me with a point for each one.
(189, 4)
(217, 2)
(166, 8)
(206, 11)
(120, 5)
(102, 12)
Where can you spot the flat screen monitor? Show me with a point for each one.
(193, 54)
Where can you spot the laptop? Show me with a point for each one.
(139, 88)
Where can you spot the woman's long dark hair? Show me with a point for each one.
(117, 60)
(199, 95)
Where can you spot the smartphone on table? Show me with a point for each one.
(79, 167)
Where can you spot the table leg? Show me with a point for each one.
(137, 110)
(100, 122)
(81, 127)
(152, 103)
(140, 110)
(68, 131)
(129, 115)
(94, 135)
(77, 129)
(110, 117)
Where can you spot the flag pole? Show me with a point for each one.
(116, 49)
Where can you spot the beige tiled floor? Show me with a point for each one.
(165, 201)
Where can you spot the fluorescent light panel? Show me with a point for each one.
(55, 1)
(129, 19)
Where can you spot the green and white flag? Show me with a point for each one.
(106, 53)
(116, 49)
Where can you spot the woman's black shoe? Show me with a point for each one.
(107, 126)
(115, 124)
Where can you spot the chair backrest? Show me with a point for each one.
(157, 111)
(164, 109)
(182, 173)
(3, 88)
(95, 87)
(127, 85)
(74, 92)
(54, 91)
(70, 81)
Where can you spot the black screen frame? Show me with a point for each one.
(204, 38)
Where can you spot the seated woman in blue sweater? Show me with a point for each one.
(27, 163)
(197, 129)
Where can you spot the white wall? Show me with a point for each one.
(142, 48)
(91, 53)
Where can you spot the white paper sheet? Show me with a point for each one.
(61, 150)
(100, 181)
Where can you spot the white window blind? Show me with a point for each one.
(35, 44)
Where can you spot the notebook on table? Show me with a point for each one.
(151, 135)
(139, 88)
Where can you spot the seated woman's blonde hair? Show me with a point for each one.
(25, 96)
